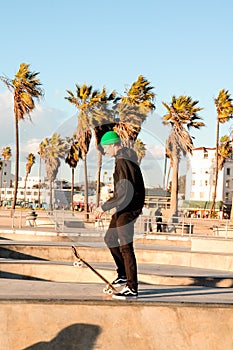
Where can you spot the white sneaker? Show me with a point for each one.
(119, 281)
(126, 293)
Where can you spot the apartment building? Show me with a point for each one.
(200, 180)
(6, 178)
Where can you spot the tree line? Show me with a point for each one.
(99, 111)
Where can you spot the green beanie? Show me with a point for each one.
(109, 138)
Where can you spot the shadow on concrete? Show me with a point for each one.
(177, 292)
(17, 276)
(216, 282)
(8, 253)
(78, 336)
(207, 281)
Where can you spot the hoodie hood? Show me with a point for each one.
(127, 153)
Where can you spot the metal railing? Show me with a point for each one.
(66, 221)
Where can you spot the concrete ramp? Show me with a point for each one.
(47, 304)
(106, 326)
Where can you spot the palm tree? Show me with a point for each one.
(182, 112)
(102, 120)
(30, 161)
(26, 89)
(224, 151)
(224, 107)
(133, 109)
(6, 153)
(72, 159)
(52, 150)
(83, 99)
(140, 149)
(42, 155)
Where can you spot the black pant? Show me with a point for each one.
(119, 239)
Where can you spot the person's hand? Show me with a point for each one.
(113, 211)
(98, 212)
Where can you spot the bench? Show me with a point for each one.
(171, 227)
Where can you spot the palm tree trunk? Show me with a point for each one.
(174, 189)
(86, 189)
(216, 171)
(1, 171)
(72, 189)
(99, 166)
(164, 172)
(25, 187)
(39, 184)
(168, 177)
(16, 161)
(50, 196)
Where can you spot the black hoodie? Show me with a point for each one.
(129, 189)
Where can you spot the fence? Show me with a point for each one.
(66, 221)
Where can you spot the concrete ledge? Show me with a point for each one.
(217, 245)
(48, 271)
(199, 259)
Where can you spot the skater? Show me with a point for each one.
(128, 200)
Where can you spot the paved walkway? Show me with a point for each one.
(91, 292)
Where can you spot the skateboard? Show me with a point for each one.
(109, 289)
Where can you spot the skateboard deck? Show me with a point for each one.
(109, 289)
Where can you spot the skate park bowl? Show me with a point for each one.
(48, 303)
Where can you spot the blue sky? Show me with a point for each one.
(181, 47)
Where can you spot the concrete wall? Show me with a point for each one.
(200, 259)
(112, 325)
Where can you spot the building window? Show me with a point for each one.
(205, 154)
(206, 182)
(193, 182)
(202, 195)
(228, 171)
(227, 183)
(227, 196)
(192, 195)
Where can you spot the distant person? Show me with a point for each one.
(146, 212)
(31, 218)
(159, 221)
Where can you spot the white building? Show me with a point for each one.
(200, 177)
(6, 178)
(7, 187)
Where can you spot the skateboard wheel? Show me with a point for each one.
(108, 291)
(78, 263)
